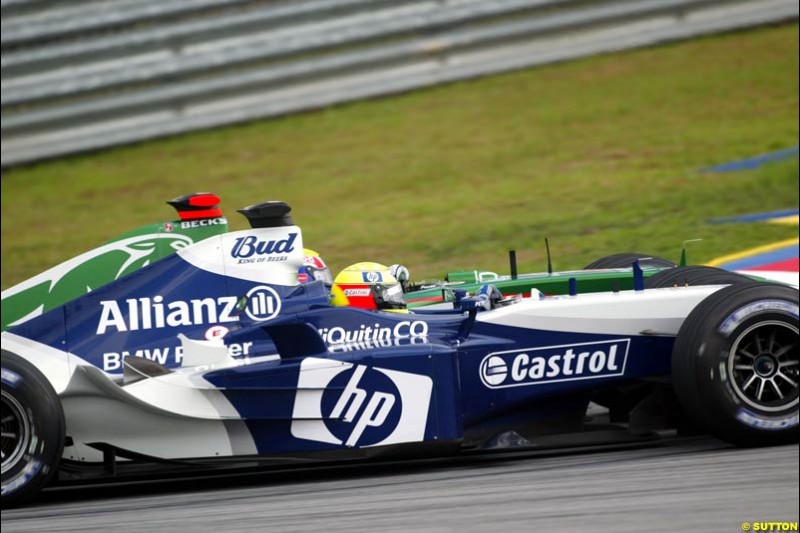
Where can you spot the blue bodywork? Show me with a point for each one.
(480, 379)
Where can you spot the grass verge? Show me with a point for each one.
(599, 154)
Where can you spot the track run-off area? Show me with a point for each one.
(678, 484)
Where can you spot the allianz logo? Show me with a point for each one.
(250, 246)
(263, 303)
(553, 364)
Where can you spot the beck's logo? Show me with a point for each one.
(552, 364)
(360, 406)
(187, 224)
(249, 246)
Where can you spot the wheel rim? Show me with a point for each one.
(763, 366)
(16, 431)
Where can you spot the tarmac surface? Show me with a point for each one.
(679, 484)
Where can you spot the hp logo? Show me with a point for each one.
(359, 406)
(263, 303)
(359, 413)
(372, 277)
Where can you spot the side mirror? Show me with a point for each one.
(402, 275)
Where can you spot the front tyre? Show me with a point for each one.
(626, 261)
(32, 430)
(735, 364)
(692, 276)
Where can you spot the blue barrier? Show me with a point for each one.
(754, 162)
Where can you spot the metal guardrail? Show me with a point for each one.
(73, 18)
(178, 35)
(120, 71)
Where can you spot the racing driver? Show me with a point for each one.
(369, 286)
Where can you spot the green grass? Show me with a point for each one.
(599, 154)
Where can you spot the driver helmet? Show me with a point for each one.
(315, 268)
(368, 286)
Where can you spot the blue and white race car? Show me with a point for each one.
(215, 357)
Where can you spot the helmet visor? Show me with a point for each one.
(321, 274)
(389, 296)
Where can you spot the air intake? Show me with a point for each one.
(268, 215)
(197, 205)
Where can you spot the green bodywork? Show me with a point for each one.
(116, 258)
(549, 284)
(135, 249)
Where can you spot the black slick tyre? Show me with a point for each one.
(693, 276)
(32, 430)
(735, 364)
(626, 260)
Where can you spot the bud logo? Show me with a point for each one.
(553, 364)
(358, 406)
(263, 303)
(249, 246)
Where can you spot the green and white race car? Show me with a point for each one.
(200, 217)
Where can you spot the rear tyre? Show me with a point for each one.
(693, 276)
(735, 364)
(32, 431)
(626, 260)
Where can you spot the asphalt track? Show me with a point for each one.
(695, 484)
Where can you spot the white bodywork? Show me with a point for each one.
(654, 311)
(789, 278)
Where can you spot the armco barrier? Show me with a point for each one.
(86, 75)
